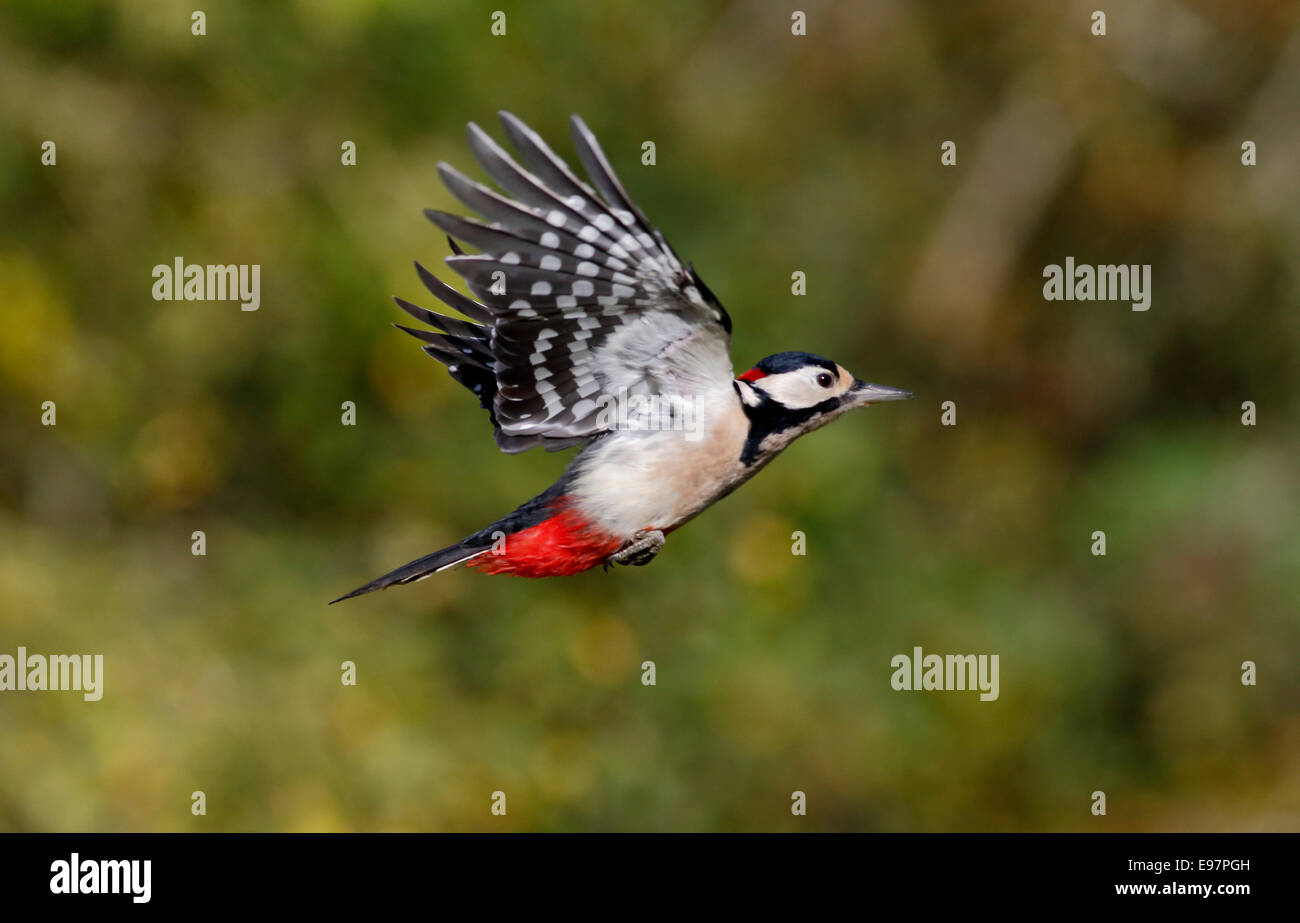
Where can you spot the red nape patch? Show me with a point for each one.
(753, 375)
(563, 545)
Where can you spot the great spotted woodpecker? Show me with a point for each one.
(589, 331)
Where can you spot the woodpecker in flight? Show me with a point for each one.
(589, 331)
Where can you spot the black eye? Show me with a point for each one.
(825, 379)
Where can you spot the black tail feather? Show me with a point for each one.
(422, 567)
(529, 514)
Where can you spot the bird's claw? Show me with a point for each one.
(639, 550)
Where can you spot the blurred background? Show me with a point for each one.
(775, 153)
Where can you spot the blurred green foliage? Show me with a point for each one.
(775, 153)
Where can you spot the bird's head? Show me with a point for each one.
(789, 394)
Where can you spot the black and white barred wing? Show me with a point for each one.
(583, 302)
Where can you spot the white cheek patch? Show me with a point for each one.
(795, 389)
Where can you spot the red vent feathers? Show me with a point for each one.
(557, 547)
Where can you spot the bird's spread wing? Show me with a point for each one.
(583, 303)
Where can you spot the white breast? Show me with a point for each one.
(658, 479)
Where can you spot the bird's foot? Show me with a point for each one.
(640, 549)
